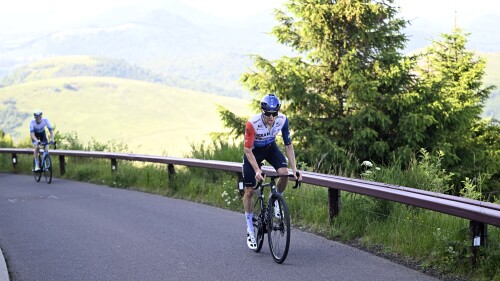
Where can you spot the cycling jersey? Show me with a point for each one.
(258, 135)
(39, 129)
(262, 141)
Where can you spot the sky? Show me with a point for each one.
(62, 13)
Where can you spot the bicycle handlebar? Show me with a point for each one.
(48, 143)
(297, 182)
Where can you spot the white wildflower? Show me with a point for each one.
(367, 163)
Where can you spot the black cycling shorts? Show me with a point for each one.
(42, 137)
(271, 153)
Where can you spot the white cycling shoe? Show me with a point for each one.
(251, 241)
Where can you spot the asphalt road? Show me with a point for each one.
(78, 231)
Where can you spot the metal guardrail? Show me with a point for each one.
(475, 210)
(479, 213)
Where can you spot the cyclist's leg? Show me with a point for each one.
(43, 139)
(283, 181)
(249, 183)
(276, 158)
(35, 153)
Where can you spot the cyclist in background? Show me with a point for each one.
(38, 134)
(260, 144)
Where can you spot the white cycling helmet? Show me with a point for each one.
(37, 113)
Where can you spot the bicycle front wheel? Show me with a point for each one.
(47, 169)
(36, 174)
(278, 229)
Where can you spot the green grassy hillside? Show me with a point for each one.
(150, 118)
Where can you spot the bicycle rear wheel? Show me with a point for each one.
(278, 229)
(37, 174)
(47, 169)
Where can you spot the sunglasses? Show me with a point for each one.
(271, 113)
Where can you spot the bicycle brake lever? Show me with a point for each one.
(258, 185)
(260, 182)
(297, 182)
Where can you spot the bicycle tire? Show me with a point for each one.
(37, 174)
(278, 229)
(47, 169)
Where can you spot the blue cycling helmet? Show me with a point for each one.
(270, 103)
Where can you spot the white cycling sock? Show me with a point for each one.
(36, 162)
(249, 217)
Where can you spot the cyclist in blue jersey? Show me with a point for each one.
(260, 144)
(38, 134)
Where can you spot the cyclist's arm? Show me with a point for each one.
(34, 140)
(51, 135)
(51, 130)
(32, 133)
(290, 154)
(289, 151)
(251, 159)
(247, 149)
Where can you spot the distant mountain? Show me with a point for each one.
(79, 66)
(484, 33)
(159, 41)
(191, 49)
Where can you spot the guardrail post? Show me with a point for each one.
(114, 165)
(171, 171)
(14, 160)
(333, 202)
(478, 234)
(62, 164)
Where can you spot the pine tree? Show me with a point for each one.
(452, 82)
(342, 91)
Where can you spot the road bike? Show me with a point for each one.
(275, 223)
(44, 162)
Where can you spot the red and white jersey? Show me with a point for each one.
(257, 134)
